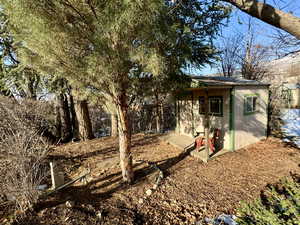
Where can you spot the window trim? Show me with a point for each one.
(256, 105)
(209, 113)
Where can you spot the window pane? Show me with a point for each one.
(215, 105)
(249, 104)
(254, 103)
(201, 105)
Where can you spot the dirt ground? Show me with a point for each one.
(190, 191)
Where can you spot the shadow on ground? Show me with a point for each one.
(86, 194)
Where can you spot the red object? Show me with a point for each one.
(200, 141)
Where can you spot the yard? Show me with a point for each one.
(190, 190)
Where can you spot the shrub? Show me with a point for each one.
(23, 152)
(26, 115)
(279, 204)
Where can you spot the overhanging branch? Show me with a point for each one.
(270, 15)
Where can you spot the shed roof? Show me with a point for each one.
(217, 81)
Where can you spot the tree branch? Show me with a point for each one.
(270, 15)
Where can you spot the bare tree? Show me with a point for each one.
(285, 43)
(253, 56)
(230, 51)
(241, 53)
(252, 63)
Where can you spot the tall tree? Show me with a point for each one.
(83, 120)
(75, 120)
(242, 54)
(230, 54)
(253, 58)
(102, 43)
(6, 54)
(15, 79)
(59, 88)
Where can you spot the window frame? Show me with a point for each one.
(254, 107)
(202, 99)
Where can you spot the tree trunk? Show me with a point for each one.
(125, 139)
(58, 118)
(32, 88)
(84, 121)
(114, 125)
(149, 118)
(270, 15)
(157, 114)
(66, 119)
(162, 119)
(73, 118)
(157, 119)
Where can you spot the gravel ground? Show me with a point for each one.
(189, 191)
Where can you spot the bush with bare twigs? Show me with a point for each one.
(23, 151)
(276, 103)
(27, 115)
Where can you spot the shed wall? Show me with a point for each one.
(250, 128)
(190, 121)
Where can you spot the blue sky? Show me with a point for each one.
(238, 24)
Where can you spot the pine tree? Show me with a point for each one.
(15, 79)
(101, 44)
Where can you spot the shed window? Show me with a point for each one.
(215, 105)
(201, 105)
(250, 105)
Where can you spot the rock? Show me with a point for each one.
(187, 215)
(10, 197)
(155, 186)
(166, 203)
(149, 192)
(99, 215)
(193, 218)
(42, 187)
(141, 201)
(90, 208)
(3, 198)
(222, 219)
(70, 204)
(43, 212)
